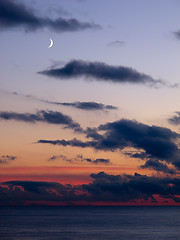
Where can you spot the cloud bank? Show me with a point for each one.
(104, 188)
(15, 15)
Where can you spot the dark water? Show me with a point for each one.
(65, 223)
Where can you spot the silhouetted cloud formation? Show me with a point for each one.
(42, 116)
(101, 72)
(158, 166)
(175, 120)
(156, 142)
(17, 15)
(104, 188)
(5, 159)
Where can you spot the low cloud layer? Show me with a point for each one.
(104, 188)
(15, 15)
(99, 71)
(5, 159)
(50, 117)
(155, 142)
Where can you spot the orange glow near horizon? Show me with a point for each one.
(64, 174)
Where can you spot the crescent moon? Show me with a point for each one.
(51, 43)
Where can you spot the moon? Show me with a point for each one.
(51, 43)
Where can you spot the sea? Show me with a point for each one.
(90, 223)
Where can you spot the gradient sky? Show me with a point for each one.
(95, 118)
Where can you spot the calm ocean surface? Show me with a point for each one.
(123, 223)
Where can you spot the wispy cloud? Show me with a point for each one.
(99, 71)
(80, 158)
(50, 117)
(5, 159)
(88, 106)
(15, 15)
(116, 44)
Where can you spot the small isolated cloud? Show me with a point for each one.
(98, 160)
(15, 15)
(89, 106)
(50, 117)
(59, 157)
(80, 158)
(93, 161)
(99, 71)
(177, 34)
(175, 120)
(116, 44)
(5, 159)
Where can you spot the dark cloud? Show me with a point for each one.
(98, 161)
(175, 120)
(104, 188)
(16, 15)
(80, 158)
(130, 188)
(60, 157)
(55, 157)
(140, 155)
(87, 105)
(116, 44)
(73, 142)
(5, 159)
(151, 162)
(156, 142)
(158, 166)
(101, 72)
(177, 34)
(42, 116)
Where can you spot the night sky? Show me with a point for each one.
(95, 119)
